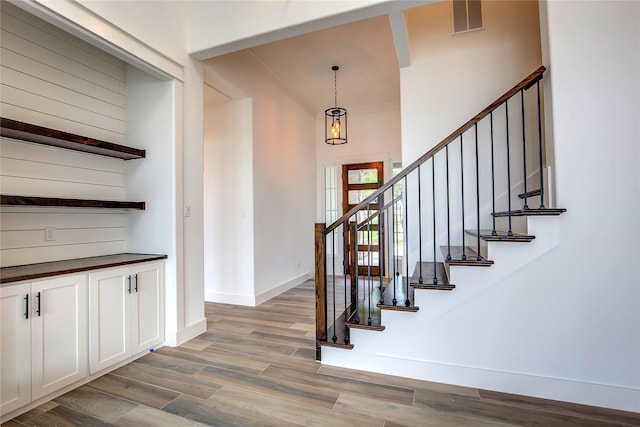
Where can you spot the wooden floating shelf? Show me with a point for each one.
(42, 135)
(8, 200)
(56, 268)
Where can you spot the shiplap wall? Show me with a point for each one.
(50, 78)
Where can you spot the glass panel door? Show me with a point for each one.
(359, 181)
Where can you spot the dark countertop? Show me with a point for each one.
(20, 273)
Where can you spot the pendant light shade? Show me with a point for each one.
(335, 118)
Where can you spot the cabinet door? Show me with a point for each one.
(58, 333)
(147, 314)
(109, 318)
(15, 352)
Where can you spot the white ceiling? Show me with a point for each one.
(364, 50)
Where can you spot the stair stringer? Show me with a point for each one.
(476, 335)
(411, 343)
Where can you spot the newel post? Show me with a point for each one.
(321, 287)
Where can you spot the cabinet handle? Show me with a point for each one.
(129, 281)
(26, 306)
(136, 277)
(38, 309)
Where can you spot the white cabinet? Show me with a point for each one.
(44, 338)
(58, 333)
(126, 307)
(15, 353)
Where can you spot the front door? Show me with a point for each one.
(358, 182)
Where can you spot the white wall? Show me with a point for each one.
(125, 30)
(189, 114)
(152, 179)
(594, 58)
(52, 79)
(453, 77)
(374, 135)
(86, 65)
(566, 326)
(283, 172)
(284, 196)
(142, 21)
(228, 202)
(129, 31)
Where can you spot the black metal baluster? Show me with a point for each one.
(395, 254)
(334, 338)
(464, 253)
(381, 234)
(369, 279)
(433, 205)
(506, 109)
(540, 148)
(446, 150)
(419, 229)
(524, 150)
(478, 257)
(493, 182)
(388, 262)
(345, 263)
(406, 241)
(357, 270)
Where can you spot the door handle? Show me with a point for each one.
(136, 277)
(129, 281)
(38, 309)
(26, 306)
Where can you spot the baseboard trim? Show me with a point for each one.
(562, 389)
(283, 287)
(227, 298)
(255, 300)
(175, 338)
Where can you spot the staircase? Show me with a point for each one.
(456, 226)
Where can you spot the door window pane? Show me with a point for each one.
(365, 236)
(356, 196)
(363, 176)
(363, 215)
(368, 258)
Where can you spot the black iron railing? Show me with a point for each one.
(422, 214)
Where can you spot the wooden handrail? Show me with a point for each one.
(528, 81)
(372, 217)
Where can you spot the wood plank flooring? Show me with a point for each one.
(256, 367)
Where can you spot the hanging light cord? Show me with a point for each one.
(335, 88)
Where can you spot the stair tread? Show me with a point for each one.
(472, 258)
(368, 312)
(532, 193)
(442, 282)
(401, 295)
(501, 236)
(363, 314)
(336, 344)
(339, 325)
(532, 212)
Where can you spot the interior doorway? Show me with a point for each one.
(359, 181)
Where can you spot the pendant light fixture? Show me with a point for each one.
(335, 118)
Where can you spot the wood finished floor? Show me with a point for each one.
(255, 367)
